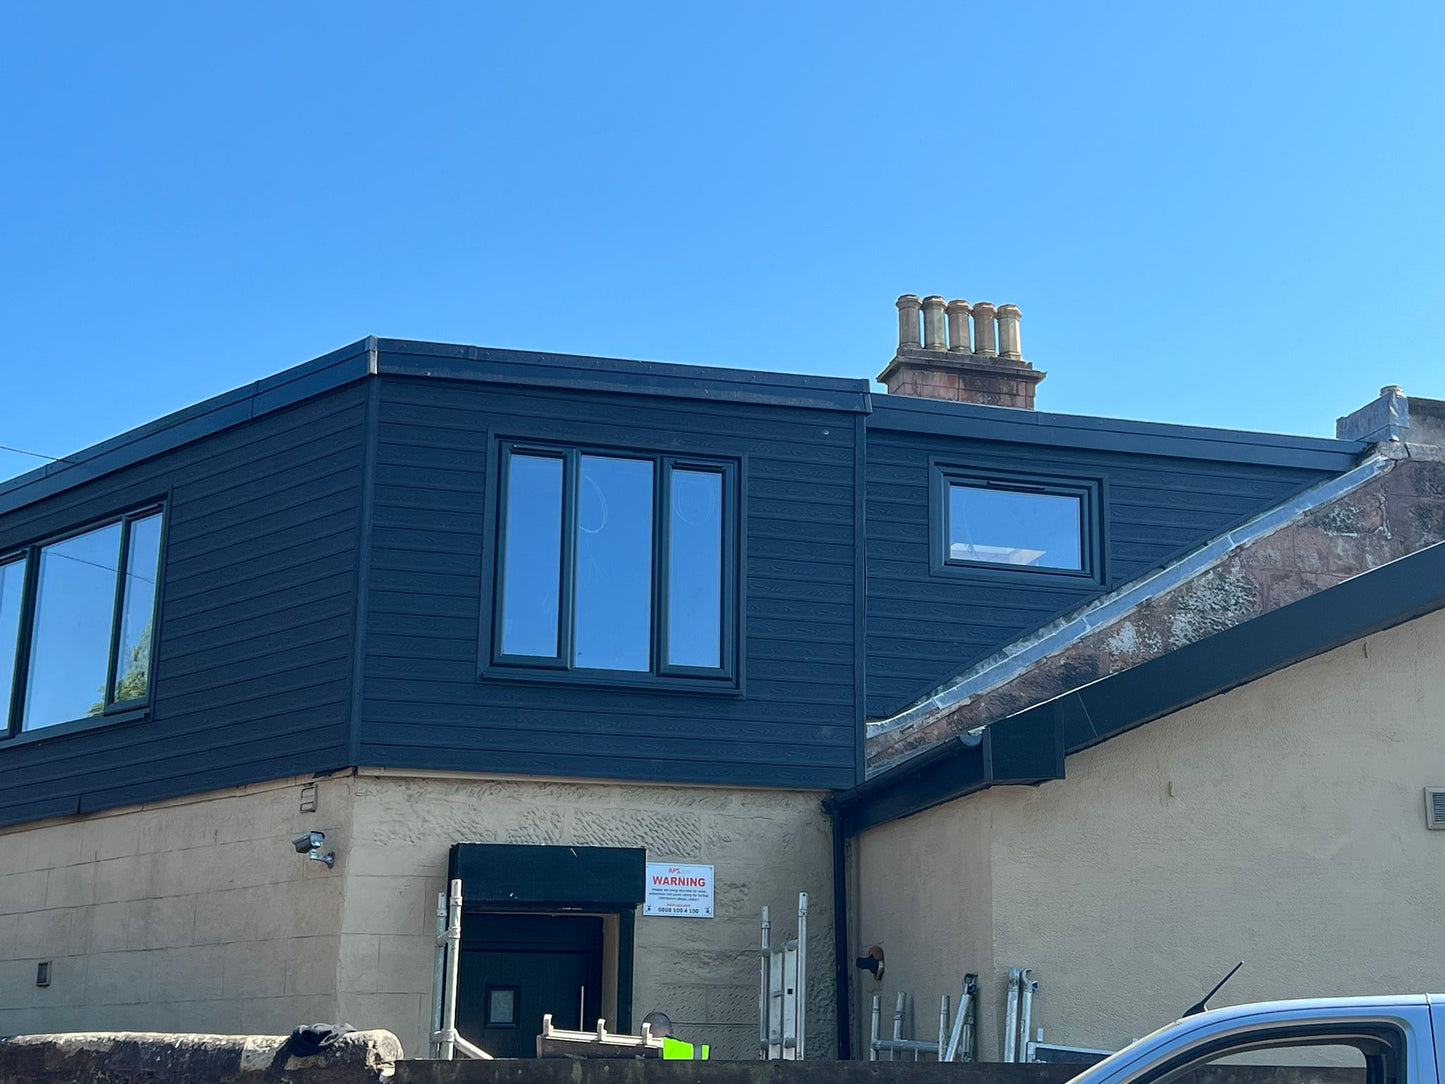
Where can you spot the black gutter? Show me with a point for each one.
(1390, 595)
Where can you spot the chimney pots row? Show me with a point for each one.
(938, 358)
(995, 330)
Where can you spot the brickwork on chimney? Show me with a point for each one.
(986, 367)
(1394, 514)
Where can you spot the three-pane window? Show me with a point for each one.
(615, 563)
(77, 620)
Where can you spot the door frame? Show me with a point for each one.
(520, 877)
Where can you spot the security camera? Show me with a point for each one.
(308, 841)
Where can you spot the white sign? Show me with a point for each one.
(678, 891)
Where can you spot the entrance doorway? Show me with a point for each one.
(544, 930)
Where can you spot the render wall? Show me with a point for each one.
(1281, 824)
(197, 914)
(188, 915)
(766, 845)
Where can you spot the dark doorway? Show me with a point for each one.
(545, 929)
(516, 967)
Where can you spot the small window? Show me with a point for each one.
(501, 1004)
(616, 564)
(1015, 523)
(77, 619)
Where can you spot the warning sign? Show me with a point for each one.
(678, 891)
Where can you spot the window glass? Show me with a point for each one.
(532, 559)
(614, 564)
(12, 584)
(70, 648)
(1014, 527)
(695, 569)
(1317, 1062)
(133, 662)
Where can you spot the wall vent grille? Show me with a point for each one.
(1435, 807)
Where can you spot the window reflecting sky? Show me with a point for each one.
(73, 613)
(1042, 530)
(694, 569)
(12, 582)
(614, 564)
(532, 560)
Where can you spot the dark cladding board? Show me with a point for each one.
(795, 722)
(253, 661)
(925, 628)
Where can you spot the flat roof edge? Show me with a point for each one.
(911, 414)
(220, 412)
(403, 357)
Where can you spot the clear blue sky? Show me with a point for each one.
(1211, 213)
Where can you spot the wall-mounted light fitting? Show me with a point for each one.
(309, 844)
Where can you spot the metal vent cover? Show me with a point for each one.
(1435, 807)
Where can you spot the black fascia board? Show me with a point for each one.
(325, 373)
(912, 414)
(527, 368)
(1371, 602)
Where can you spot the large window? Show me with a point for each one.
(1015, 523)
(77, 620)
(615, 564)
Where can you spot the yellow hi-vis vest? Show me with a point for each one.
(677, 1050)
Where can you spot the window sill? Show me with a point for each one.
(984, 572)
(613, 679)
(76, 726)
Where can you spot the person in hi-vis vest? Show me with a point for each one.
(673, 1049)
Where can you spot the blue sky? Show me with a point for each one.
(1221, 214)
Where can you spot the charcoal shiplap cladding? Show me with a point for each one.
(253, 657)
(795, 721)
(366, 475)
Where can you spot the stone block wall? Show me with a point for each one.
(189, 915)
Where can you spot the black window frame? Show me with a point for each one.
(496, 664)
(112, 711)
(1090, 493)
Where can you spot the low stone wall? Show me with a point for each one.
(140, 1057)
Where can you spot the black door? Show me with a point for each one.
(516, 967)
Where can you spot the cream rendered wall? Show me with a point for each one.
(766, 845)
(188, 915)
(1281, 823)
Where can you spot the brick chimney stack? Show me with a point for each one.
(988, 368)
